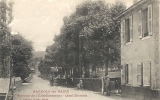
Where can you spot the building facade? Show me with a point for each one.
(140, 50)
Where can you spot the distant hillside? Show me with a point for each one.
(38, 54)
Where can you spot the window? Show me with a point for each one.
(126, 30)
(145, 25)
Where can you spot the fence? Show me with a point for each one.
(95, 84)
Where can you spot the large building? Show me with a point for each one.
(140, 50)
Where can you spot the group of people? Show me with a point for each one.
(68, 81)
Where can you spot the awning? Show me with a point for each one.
(114, 74)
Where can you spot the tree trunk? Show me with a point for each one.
(106, 67)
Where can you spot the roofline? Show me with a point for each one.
(130, 9)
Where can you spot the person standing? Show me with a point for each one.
(107, 85)
(68, 81)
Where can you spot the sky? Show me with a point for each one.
(40, 20)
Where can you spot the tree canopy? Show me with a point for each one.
(21, 54)
(90, 35)
(5, 45)
(18, 52)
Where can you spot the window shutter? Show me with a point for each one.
(131, 28)
(123, 31)
(146, 74)
(124, 38)
(150, 19)
(126, 73)
(140, 24)
(123, 74)
(139, 74)
(130, 73)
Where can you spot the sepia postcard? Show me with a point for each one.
(79, 49)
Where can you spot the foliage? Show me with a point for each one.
(10, 11)
(5, 47)
(89, 36)
(20, 51)
(43, 68)
(5, 44)
(21, 55)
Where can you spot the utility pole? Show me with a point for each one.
(80, 56)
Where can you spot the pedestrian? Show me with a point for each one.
(103, 85)
(117, 86)
(80, 84)
(68, 81)
(51, 80)
(107, 85)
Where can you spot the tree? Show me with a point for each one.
(21, 54)
(89, 36)
(5, 45)
(102, 32)
(9, 14)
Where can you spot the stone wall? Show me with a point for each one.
(93, 84)
(140, 93)
(18, 81)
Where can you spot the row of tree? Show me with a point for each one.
(19, 51)
(15, 50)
(89, 37)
